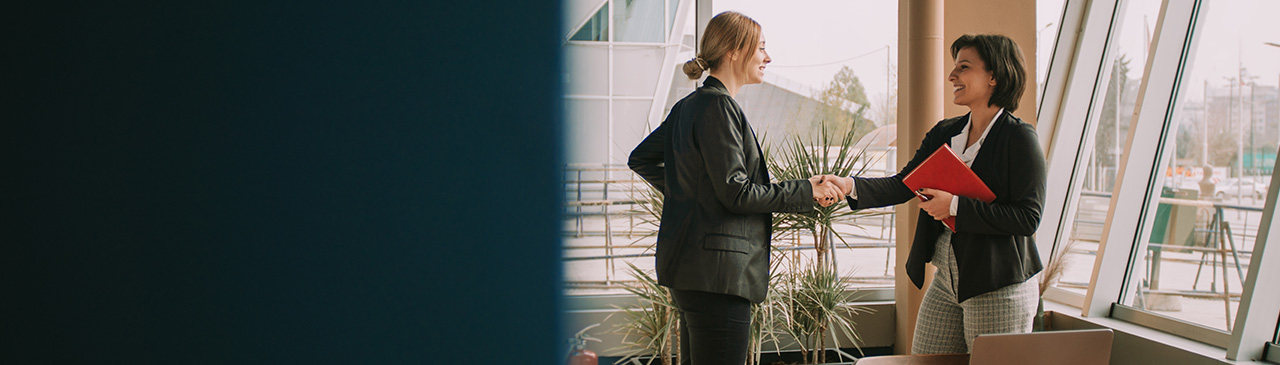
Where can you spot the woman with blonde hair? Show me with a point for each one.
(713, 239)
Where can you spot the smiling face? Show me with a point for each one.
(973, 84)
(753, 68)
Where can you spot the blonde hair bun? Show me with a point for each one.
(694, 68)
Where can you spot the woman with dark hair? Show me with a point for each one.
(983, 284)
(713, 239)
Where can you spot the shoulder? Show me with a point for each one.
(948, 127)
(1019, 134)
(1019, 129)
(710, 101)
(955, 123)
(713, 96)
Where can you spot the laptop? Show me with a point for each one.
(1075, 347)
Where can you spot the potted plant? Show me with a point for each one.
(809, 297)
(651, 327)
(811, 301)
(799, 159)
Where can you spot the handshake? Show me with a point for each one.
(830, 189)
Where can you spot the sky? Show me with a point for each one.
(810, 40)
(1232, 36)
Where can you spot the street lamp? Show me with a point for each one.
(1273, 44)
(1040, 70)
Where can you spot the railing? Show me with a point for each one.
(596, 191)
(1212, 236)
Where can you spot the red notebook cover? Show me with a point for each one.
(944, 171)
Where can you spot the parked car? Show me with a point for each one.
(1241, 188)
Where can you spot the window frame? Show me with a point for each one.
(1262, 304)
(1085, 72)
(591, 15)
(1133, 203)
(1140, 169)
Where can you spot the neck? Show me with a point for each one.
(731, 82)
(980, 117)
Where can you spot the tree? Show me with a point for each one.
(886, 111)
(843, 104)
(1188, 144)
(845, 87)
(1104, 146)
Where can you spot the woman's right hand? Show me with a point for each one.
(844, 183)
(825, 193)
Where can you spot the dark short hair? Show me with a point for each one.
(1004, 59)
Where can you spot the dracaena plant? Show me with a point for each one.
(809, 302)
(652, 326)
(802, 157)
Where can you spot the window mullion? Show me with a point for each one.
(1124, 233)
(1252, 332)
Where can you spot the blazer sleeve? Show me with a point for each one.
(647, 158)
(718, 131)
(885, 191)
(1020, 214)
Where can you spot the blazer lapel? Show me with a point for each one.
(984, 164)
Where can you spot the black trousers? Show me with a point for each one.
(714, 328)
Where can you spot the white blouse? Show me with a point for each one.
(967, 154)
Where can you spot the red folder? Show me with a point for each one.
(944, 171)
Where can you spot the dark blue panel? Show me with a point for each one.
(271, 182)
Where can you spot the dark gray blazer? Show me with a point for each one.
(716, 216)
(992, 242)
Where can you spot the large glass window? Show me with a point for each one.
(834, 69)
(596, 29)
(639, 20)
(1048, 21)
(1213, 173)
(615, 85)
(1100, 159)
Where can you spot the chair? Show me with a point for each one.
(943, 359)
(1078, 347)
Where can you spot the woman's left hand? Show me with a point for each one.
(939, 204)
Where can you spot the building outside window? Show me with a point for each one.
(1100, 159)
(1205, 228)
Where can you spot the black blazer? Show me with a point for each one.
(716, 221)
(992, 242)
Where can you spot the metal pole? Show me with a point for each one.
(1204, 146)
(887, 84)
(1239, 127)
(1115, 136)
